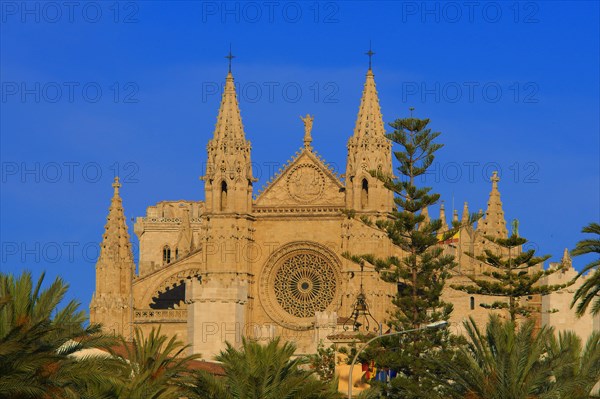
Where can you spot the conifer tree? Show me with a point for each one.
(419, 274)
(512, 275)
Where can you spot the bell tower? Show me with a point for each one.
(368, 150)
(228, 179)
(217, 301)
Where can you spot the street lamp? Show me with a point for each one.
(436, 325)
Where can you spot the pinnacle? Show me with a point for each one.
(229, 121)
(494, 223)
(369, 122)
(116, 245)
(444, 227)
(566, 259)
(465, 214)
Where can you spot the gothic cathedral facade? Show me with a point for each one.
(268, 265)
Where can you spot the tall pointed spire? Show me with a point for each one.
(369, 122)
(116, 246)
(494, 224)
(369, 150)
(228, 179)
(111, 303)
(229, 125)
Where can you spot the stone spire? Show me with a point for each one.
(369, 122)
(229, 125)
(228, 179)
(455, 215)
(494, 224)
(111, 303)
(444, 227)
(116, 246)
(465, 214)
(369, 150)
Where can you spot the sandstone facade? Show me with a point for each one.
(269, 263)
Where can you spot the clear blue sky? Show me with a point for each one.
(135, 86)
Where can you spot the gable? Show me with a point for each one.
(305, 181)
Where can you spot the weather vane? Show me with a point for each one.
(230, 57)
(370, 53)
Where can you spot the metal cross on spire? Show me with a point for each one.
(230, 57)
(370, 53)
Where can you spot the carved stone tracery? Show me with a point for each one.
(300, 279)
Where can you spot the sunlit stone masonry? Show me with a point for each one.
(269, 263)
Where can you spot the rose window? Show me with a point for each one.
(304, 283)
(298, 280)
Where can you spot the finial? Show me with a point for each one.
(230, 57)
(411, 109)
(370, 53)
(308, 121)
(495, 179)
(116, 185)
(455, 215)
(465, 215)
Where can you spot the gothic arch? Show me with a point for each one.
(150, 286)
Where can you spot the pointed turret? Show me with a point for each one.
(228, 179)
(444, 227)
(368, 150)
(494, 224)
(369, 122)
(465, 214)
(111, 302)
(455, 215)
(116, 245)
(229, 125)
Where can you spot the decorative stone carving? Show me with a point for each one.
(306, 183)
(299, 280)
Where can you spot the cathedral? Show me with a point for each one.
(261, 264)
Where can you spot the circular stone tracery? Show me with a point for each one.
(298, 280)
(304, 283)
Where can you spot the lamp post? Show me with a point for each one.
(437, 324)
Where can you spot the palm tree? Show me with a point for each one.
(263, 372)
(577, 375)
(589, 292)
(153, 367)
(507, 362)
(37, 342)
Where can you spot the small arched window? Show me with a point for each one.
(472, 303)
(176, 253)
(223, 196)
(166, 254)
(364, 194)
